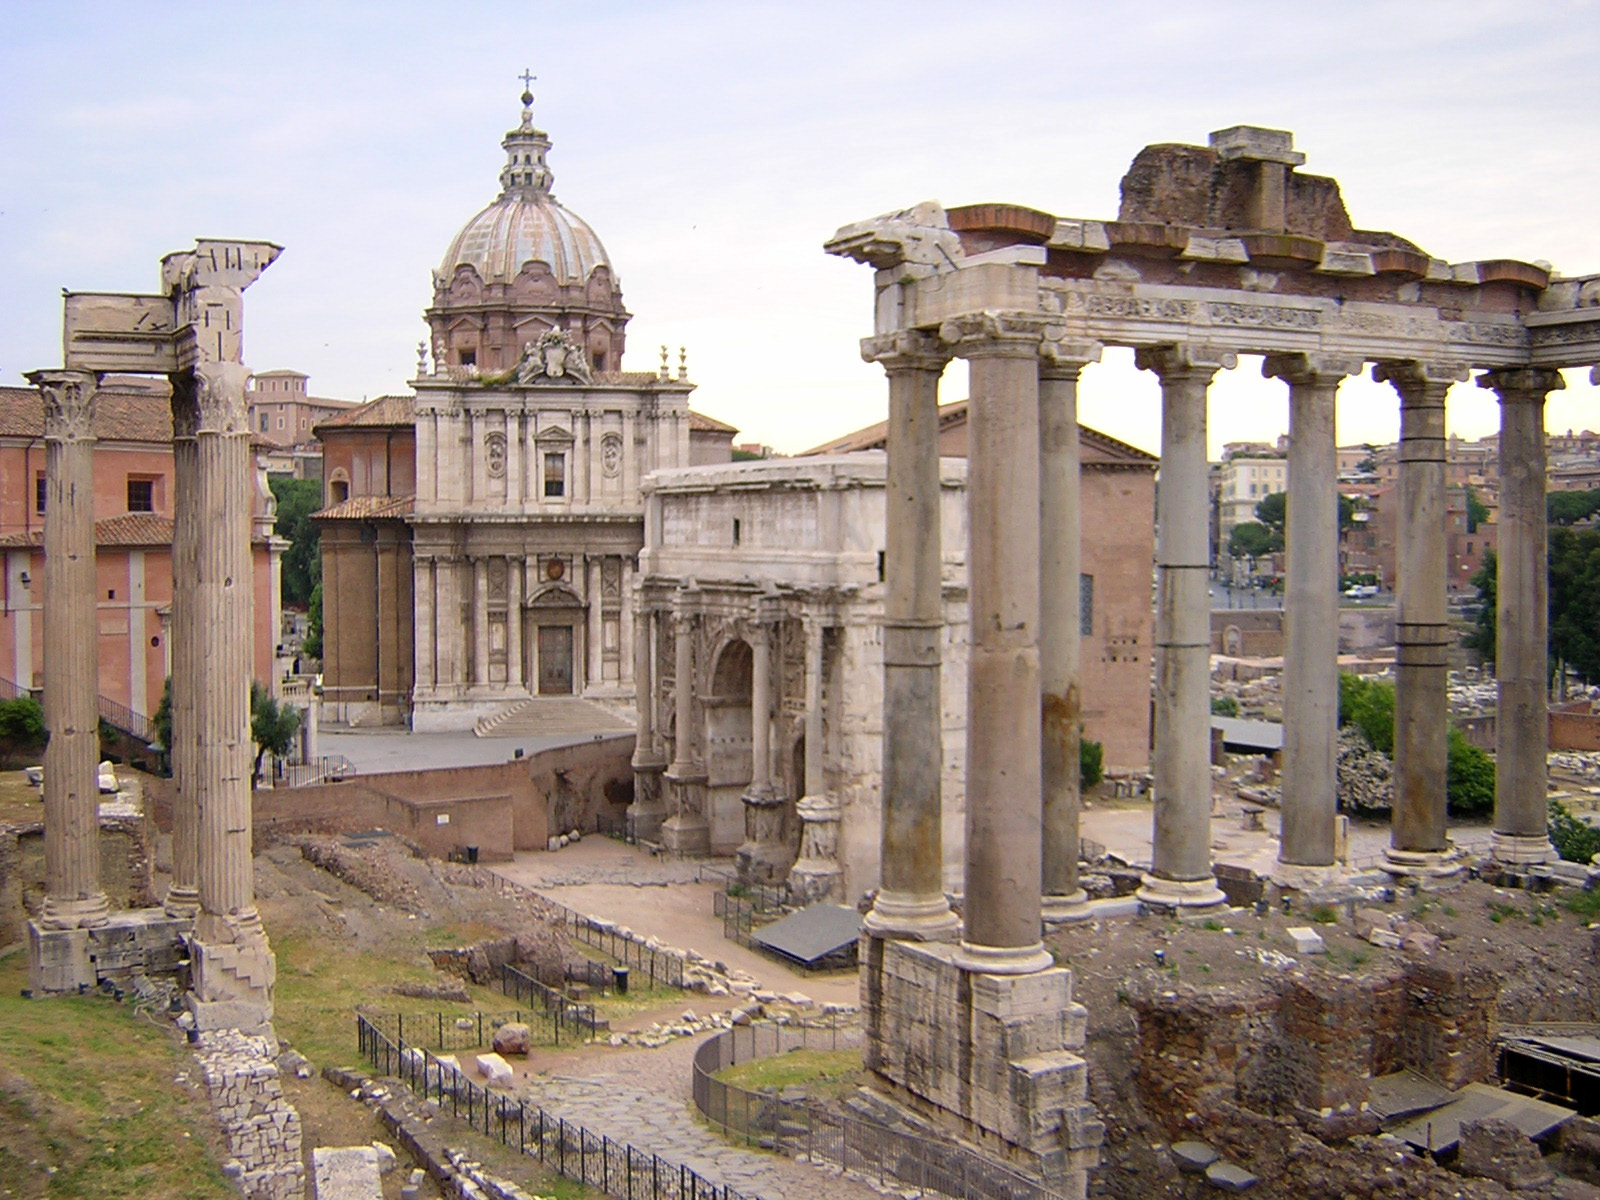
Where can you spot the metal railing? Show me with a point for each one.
(134, 724)
(444, 1032)
(802, 1130)
(580, 1021)
(327, 768)
(655, 967)
(616, 1168)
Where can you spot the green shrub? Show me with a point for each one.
(1574, 840)
(1091, 763)
(1224, 706)
(22, 722)
(1470, 786)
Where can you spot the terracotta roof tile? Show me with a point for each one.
(130, 529)
(120, 414)
(385, 410)
(367, 508)
(700, 423)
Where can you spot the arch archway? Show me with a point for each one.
(728, 738)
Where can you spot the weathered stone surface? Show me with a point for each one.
(512, 1038)
(346, 1173)
(1229, 1177)
(1193, 1157)
(496, 1070)
(1496, 1149)
(1306, 940)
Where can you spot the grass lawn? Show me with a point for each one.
(823, 1074)
(88, 1107)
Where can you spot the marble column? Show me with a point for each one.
(1307, 843)
(73, 897)
(763, 858)
(480, 621)
(910, 902)
(1180, 868)
(686, 830)
(1522, 617)
(1060, 629)
(183, 892)
(516, 582)
(1419, 842)
(233, 969)
(816, 874)
(1004, 808)
(645, 814)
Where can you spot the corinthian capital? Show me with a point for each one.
(907, 349)
(68, 403)
(1180, 360)
(1522, 384)
(1410, 375)
(220, 405)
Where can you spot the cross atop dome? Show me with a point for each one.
(525, 174)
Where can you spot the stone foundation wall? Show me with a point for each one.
(124, 869)
(994, 1058)
(1310, 1044)
(261, 1128)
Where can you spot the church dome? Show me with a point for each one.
(518, 229)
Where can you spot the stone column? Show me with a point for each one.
(73, 896)
(1060, 628)
(183, 893)
(1180, 867)
(1521, 812)
(816, 874)
(686, 831)
(1419, 843)
(233, 969)
(516, 581)
(645, 814)
(1306, 849)
(1004, 813)
(763, 858)
(910, 903)
(480, 620)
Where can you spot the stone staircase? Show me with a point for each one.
(551, 716)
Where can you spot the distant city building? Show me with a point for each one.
(282, 413)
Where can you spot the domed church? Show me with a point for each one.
(482, 533)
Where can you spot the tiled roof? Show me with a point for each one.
(130, 529)
(120, 415)
(700, 423)
(367, 508)
(385, 410)
(1095, 447)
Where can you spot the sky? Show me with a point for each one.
(715, 145)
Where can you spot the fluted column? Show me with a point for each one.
(183, 892)
(516, 581)
(816, 874)
(73, 896)
(1419, 843)
(1004, 807)
(233, 968)
(762, 858)
(815, 784)
(1306, 848)
(645, 814)
(1060, 628)
(1521, 814)
(910, 903)
(1180, 867)
(686, 830)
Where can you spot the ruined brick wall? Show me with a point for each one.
(1309, 1042)
(124, 869)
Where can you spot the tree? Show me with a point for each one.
(313, 643)
(273, 725)
(1347, 514)
(1486, 580)
(1469, 790)
(302, 561)
(1252, 540)
(1575, 600)
(1272, 510)
(1568, 508)
(22, 732)
(1477, 511)
(1368, 704)
(1091, 763)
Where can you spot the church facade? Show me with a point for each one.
(482, 534)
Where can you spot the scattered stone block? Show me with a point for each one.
(512, 1038)
(1420, 941)
(1306, 940)
(1496, 1149)
(1374, 918)
(496, 1070)
(1387, 938)
(1193, 1157)
(1229, 1177)
(345, 1173)
(386, 1157)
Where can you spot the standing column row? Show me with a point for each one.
(685, 831)
(1180, 867)
(645, 814)
(73, 895)
(764, 857)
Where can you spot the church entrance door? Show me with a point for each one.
(555, 660)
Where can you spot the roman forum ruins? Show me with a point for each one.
(1217, 252)
(193, 333)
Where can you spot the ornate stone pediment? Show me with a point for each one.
(554, 359)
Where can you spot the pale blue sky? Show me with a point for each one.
(715, 145)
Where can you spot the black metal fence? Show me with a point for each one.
(616, 1168)
(800, 1129)
(445, 1032)
(580, 1022)
(657, 968)
(327, 768)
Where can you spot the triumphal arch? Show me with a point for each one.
(1218, 251)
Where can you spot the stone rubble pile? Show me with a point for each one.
(1365, 776)
(1471, 696)
(261, 1128)
(1584, 764)
(779, 1008)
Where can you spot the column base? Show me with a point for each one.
(182, 902)
(686, 837)
(645, 825)
(232, 973)
(1003, 960)
(1063, 910)
(813, 881)
(83, 912)
(1304, 877)
(1519, 848)
(905, 917)
(1426, 864)
(1180, 893)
